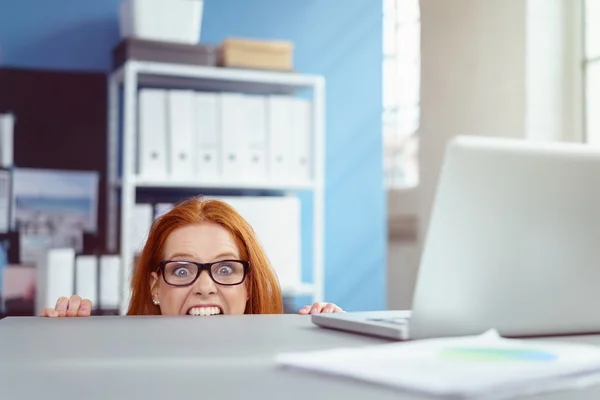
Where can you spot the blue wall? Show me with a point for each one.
(340, 40)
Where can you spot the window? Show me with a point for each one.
(401, 91)
(591, 70)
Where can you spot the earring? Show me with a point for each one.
(156, 302)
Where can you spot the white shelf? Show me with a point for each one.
(219, 78)
(181, 184)
(121, 194)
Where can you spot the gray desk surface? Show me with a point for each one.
(181, 357)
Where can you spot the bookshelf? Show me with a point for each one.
(124, 182)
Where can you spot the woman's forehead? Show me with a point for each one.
(204, 240)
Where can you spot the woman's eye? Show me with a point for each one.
(224, 270)
(181, 272)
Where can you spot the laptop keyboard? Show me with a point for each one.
(393, 321)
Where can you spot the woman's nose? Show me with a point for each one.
(204, 284)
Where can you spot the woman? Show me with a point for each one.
(201, 258)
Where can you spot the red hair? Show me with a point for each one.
(264, 293)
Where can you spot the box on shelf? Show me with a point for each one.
(257, 54)
(152, 50)
(162, 20)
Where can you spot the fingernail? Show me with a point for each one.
(54, 313)
(83, 306)
(314, 311)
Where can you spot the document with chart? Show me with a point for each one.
(473, 367)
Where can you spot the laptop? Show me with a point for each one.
(513, 245)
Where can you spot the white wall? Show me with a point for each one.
(553, 70)
(483, 74)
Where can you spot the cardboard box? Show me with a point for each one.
(173, 53)
(257, 54)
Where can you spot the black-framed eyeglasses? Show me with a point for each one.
(223, 272)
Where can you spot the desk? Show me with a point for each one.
(162, 357)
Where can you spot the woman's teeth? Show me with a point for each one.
(204, 311)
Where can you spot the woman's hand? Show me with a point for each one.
(73, 307)
(318, 308)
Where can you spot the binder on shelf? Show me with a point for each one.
(7, 122)
(269, 216)
(110, 272)
(280, 117)
(152, 139)
(231, 120)
(255, 138)
(181, 106)
(208, 160)
(55, 277)
(142, 221)
(302, 138)
(86, 278)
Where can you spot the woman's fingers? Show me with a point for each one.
(49, 312)
(69, 307)
(61, 306)
(320, 308)
(329, 308)
(73, 307)
(85, 310)
(304, 310)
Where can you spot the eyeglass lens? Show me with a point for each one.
(184, 273)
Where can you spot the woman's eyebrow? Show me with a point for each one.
(221, 256)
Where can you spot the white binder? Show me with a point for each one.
(182, 123)
(269, 216)
(143, 215)
(255, 137)
(152, 153)
(232, 118)
(7, 122)
(86, 278)
(302, 139)
(56, 277)
(280, 117)
(208, 160)
(110, 271)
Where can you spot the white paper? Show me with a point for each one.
(55, 277)
(475, 367)
(86, 278)
(110, 270)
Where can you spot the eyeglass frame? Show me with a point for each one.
(204, 267)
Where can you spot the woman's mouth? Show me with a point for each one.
(205, 311)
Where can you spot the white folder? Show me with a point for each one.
(152, 149)
(7, 122)
(182, 123)
(86, 278)
(143, 215)
(269, 216)
(208, 160)
(56, 277)
(255, 136)
(110, 280)
(302, 140)
(232, 116)
(280, 117)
